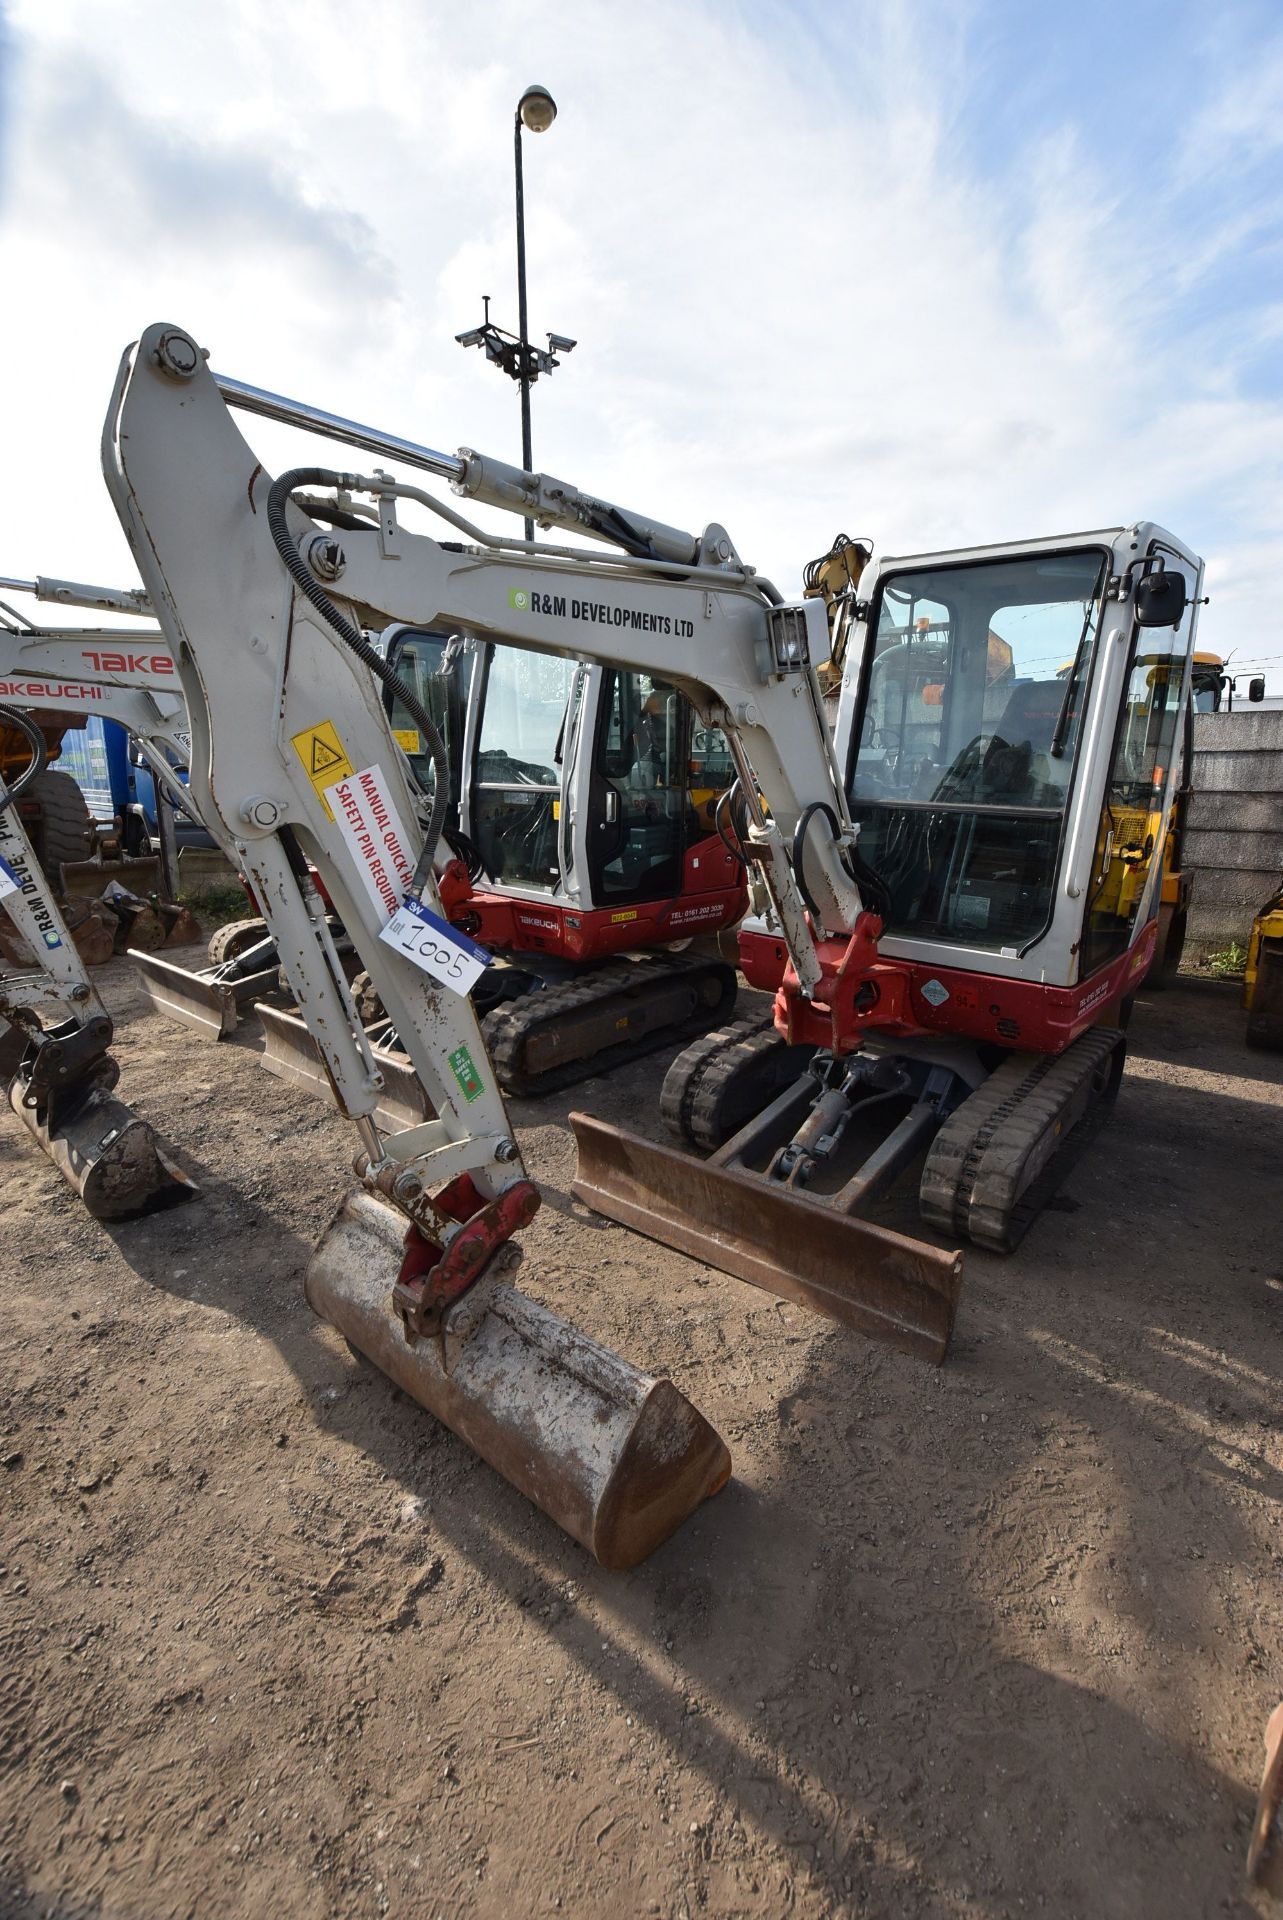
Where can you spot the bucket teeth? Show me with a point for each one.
(615, 1456)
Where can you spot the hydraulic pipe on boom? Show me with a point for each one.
(293, 751)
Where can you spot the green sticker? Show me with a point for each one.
(519, 598)
(470, 1082)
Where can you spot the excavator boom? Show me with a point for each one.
(266, 614)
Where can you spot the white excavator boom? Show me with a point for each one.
(266, 613)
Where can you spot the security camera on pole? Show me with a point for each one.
(536, 111)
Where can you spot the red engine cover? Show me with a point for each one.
(863, 993)
(713, 896)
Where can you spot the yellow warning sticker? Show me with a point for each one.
(324, 758)
(407, 738)
(556, 809)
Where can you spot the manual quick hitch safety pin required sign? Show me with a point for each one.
(367, 817)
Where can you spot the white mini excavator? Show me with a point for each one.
(269, 616)
(58, 1067)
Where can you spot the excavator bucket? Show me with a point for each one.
(106, 1152)
(881, 1283)
(201, 1000)
(292, 1055)
(615, 1456)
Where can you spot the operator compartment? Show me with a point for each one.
(960, 774)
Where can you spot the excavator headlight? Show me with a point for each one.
(792, 631)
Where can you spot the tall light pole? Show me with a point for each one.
(536, 111)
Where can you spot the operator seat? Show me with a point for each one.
(1022, 736)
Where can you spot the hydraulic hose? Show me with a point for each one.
(21, 723)
(870, 883)
(355, 640)
(804, 820)
(723, 819)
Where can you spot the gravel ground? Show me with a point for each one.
(996, 1639)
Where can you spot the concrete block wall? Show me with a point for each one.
(1234, 842)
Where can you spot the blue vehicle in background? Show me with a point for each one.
(119, 787)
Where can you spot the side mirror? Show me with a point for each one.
(1160, 599)
(1256, 687)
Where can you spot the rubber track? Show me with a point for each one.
(685, 1078)
(729, 1083)
(230, 940)
(507, 1029)
(978, 1179)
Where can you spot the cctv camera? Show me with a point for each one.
(560, 344)
(473, 337)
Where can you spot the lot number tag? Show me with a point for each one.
(441, 950)
(9, 881)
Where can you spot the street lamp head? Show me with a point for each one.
(536, 109)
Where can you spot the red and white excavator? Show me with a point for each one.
(938, 880)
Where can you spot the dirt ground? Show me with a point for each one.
(997, 1639)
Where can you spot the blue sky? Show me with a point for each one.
(931, 273)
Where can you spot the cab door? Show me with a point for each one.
(440, 677)
(1124, 879)
(516, 790)
(638, 800)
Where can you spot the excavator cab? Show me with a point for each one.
(1008, 736)
(581, 788)
(961, 802)
(582, 806)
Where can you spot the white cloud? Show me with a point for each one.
(802, 305)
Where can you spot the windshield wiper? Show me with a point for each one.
(1057, 747)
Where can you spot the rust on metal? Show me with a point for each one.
(432, 1278)
(291, 1053)
(191, 998)
(615, 1456)
(879, 1282)
(107, 1153)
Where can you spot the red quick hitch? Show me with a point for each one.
(858, 991)
(433, 1277)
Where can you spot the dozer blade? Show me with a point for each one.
(108, 1155)
(292, 1054)
(87, 878)
(212, 1007)
(881, 1283)
(615, 1456)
